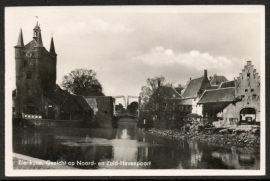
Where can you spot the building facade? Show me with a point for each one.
(247, 91)
(193, 91)
(167, 108)
(235, 102)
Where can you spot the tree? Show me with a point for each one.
(82, 82)
(179, 88)
(150, 88)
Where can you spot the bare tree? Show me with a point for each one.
(82, 82)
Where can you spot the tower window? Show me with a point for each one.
(248, 75)
(29, 76)
(25, 63)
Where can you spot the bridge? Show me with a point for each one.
(129, 110)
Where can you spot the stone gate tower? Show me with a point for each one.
(35, 73)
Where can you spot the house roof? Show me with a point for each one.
(193, 87)
(227, 84)
(168, 92)
(56, 95)
(218, 79)
(91, 101)
(82, 102)
(186, 102)
(218, 95)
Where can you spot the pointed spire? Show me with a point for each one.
(39, 40)
(52, 49)
(20, 40)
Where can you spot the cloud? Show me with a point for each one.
(159, 56)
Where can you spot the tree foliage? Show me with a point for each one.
(82, 82)
(152, 85)
(150, 88)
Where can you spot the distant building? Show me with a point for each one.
(167, 108)
(235, 102)
(91, 109)
(216, 80)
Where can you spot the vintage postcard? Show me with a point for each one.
(135, 90)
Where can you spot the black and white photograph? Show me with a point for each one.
(135, 90)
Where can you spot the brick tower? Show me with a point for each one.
(35, 73)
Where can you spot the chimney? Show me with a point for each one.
(205, 73)
(158, 82)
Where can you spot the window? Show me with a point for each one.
(248, 75)
(252, 90)
(242, 96)
(50, 105)
(164, 106)
(254, 96)
(246, 90)
(25, 63)
(29, 76)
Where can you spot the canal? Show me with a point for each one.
(123, 147)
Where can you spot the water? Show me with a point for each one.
(110, 148)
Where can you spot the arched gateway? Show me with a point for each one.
(247, 116)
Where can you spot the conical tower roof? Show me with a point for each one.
(20, 40)
(52, 49)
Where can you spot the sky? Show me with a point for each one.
(126, 45)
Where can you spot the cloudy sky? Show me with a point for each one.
(127, 45)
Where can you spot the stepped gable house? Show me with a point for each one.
(235, 102)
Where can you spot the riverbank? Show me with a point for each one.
(26, 162)
(240, 137)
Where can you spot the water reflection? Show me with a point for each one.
(131, 144)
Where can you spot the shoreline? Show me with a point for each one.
(237, 138)
(21, 162)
